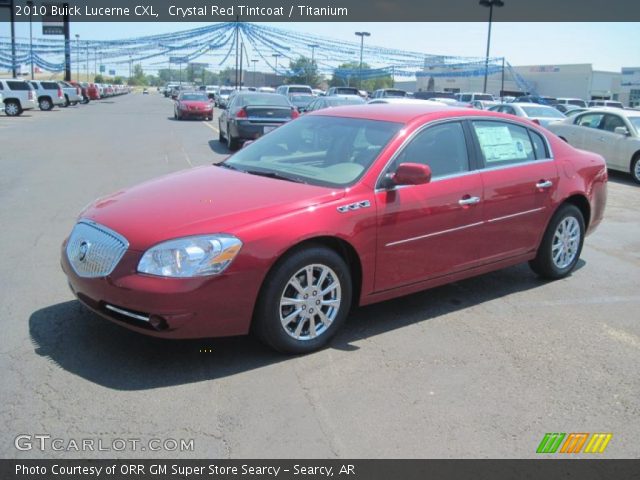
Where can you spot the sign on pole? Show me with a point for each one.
(52, 24)
(112, 72)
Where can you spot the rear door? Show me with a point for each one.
(427, 231)
(519, 177)
(610, 144)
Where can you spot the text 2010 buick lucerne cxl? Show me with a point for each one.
(345, 206)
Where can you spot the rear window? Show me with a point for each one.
(346, 91)
(17, 85)
(394, 93)
(334, 102)
(547, 112)
(300, 90)
(484, 97)
(50, 85)
(578, 103)
(465, 98)
(268, 99)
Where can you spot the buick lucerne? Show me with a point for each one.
(342, 207)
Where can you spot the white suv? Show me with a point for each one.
(18, 95)
(48, 94)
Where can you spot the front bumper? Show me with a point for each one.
(215, 306)
(196, 113)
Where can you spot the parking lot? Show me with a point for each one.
(480, 368)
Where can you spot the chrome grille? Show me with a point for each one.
(94, 250)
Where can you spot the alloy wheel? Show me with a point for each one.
(566, 241)
(310, 302)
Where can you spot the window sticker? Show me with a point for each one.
(498, 145)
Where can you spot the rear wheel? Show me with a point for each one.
(635, 168)
(233, 142)
(561, 245)
(220, 136)
(304, 301)
(45, 104)
(66, 101)
(12, 108)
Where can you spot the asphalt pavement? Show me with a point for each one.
(482, 368)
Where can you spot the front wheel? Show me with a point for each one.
(304, 301)
(561, 245)
(635, 168)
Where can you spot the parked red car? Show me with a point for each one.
(93, 91)
(193, 105)
(344, 206)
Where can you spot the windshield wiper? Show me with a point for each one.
(276, 175)
(229, 166)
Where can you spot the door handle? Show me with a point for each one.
(544, 184)
(468, 201)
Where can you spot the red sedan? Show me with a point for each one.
(193, 105)
(342, 207)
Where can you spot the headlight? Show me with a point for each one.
(190, 256)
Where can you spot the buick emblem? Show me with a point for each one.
(82, 251)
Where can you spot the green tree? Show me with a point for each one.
(138, 77)
(99, 78)
(370, 84)
(304, 71)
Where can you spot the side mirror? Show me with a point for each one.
(409, 174)
(621, 131)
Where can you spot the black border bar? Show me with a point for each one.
(350, 10)
(547, 469)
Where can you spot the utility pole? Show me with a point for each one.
(276, 55)
(67, 43)
(313, 47)
(87, 44)
(241, 62)
(77, 57)
(490, 4)
(361, 35)
(237, 47)
(30, 5)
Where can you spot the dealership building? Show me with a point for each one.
(575, 80)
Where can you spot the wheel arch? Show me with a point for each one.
(633, 159)
(340, 246)
(583, 205)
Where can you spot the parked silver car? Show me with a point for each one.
(540, 114)
(18, 95)
(611, 132)
(48, 94)
(72, 95)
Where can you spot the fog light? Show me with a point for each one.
(157, 322)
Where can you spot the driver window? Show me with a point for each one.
(611, 122)
(442, 147)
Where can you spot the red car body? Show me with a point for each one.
(409, 239)
(192, 109)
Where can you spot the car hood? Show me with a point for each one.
(201, 200)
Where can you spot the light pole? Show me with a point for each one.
(490, 4)
(30, 5)
(276, 55)
(313, 47)
(361, 35)
(255, 80)
(77, 57)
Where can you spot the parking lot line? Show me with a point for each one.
(211, 126)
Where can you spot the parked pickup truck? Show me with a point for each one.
(72, 95)
(48, 94)
(18, 95)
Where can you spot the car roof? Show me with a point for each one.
(530, 104)
(394, 112)
(628, 113)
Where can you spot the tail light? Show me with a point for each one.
(294, 113)
(30, 94)
(78, 91)
(60, 94)
(242, 113)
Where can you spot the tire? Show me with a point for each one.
(209, 119)
(73, 104)
(221, 138)
(45, 104)
(175, 115)
(635, 168)
(12, 108)
(561, 245)
(232, 142)
(307, 329)
(66, 100)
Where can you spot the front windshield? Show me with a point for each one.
(484, 97)
(194, 97)
(320, 150)
(337, 101)
(548, 112)
(301, 100)
(226, 91)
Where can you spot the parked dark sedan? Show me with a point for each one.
(252, 114)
